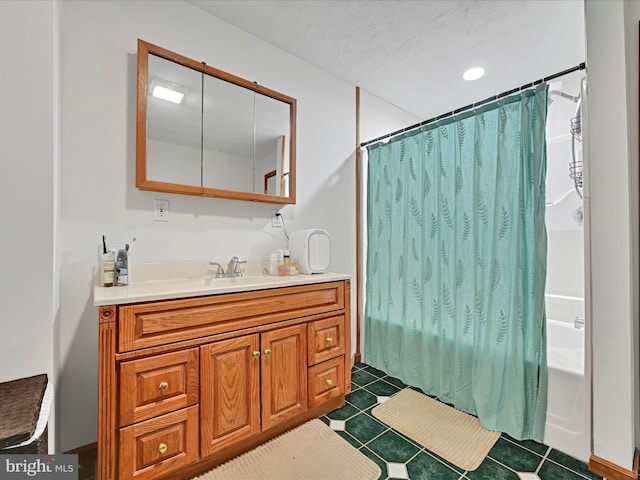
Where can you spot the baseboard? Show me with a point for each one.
(357, 358)
(611, 471)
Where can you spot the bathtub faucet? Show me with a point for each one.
(578, 322)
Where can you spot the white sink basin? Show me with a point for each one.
(161, 281)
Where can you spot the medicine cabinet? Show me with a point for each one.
(202, 131)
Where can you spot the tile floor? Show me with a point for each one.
(401, 458)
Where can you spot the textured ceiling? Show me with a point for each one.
(413, 53)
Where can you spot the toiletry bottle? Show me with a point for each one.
(108, 268)
(280, 254)
(273, 264)
(286, 261)
(122, 267)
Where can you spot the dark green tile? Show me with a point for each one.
(409, 440)
(446, 462)
(378, 461)
(514, 456)
(395, 381)
(572, 464)
(374, 371)
(358, 366)
(539, 448)
(382, 388)
(426, 467)
(343, 413)
(369, 411)
(490, 470)
(361, 399)
(393, 448)
(364, 428)
(553, 471)
(362, 378)
(350, 439)
(325, 420)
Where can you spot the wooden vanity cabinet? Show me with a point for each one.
(187, 384)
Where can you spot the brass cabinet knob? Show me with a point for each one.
(329, 340)
(256, 354)
(267, 351)
(329, 382)
(164, 386)
(162, 448)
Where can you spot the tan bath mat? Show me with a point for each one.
(311, 451)
(454, 435)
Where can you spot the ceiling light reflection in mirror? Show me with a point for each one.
(174, 131)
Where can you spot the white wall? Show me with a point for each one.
(98, 168)
(27, 170)
(613, 186)
(632, 17)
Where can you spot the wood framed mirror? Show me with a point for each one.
(202, 131)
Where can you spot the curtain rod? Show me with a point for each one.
(581, 66)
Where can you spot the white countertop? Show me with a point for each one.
(191, 279)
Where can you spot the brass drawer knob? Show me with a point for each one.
(162, 448)
(267, 352)
(164, 386)
(256, 354)
(329, 382)
(329, 340)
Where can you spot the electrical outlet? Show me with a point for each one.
(161, 210)
(275, 219)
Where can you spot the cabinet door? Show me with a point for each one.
(284, 374)
(229, 392)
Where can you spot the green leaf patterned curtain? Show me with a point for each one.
(456, 261)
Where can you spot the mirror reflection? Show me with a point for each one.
(201, 131)
(173, 129)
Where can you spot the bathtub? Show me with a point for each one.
(567, 422)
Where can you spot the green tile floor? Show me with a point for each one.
(401, 458)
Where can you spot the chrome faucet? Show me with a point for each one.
(233, 269)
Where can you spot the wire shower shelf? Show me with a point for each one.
(576, 128)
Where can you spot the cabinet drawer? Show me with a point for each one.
(326, 381)
(159, 446)
(156, 385)
(158, 323)
(326, 339)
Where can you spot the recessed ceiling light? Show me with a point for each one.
(473, 73)
(171, 93)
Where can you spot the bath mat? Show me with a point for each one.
(311, 451)
(454, 435)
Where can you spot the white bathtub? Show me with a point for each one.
(567, 423)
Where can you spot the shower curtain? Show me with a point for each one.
(456, 261)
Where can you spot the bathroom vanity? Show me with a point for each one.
(195, 371)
